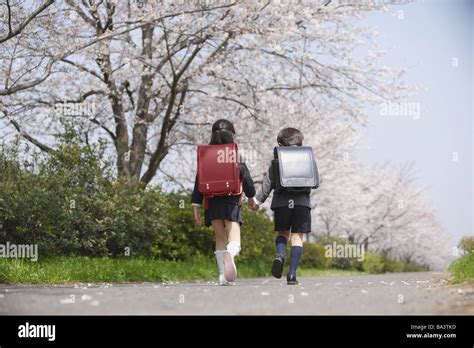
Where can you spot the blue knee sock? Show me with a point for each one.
(280, 242)
(295, 256)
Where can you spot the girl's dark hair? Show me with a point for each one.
(223, 124)
(223, 133)
(290, 137)
(222, 136)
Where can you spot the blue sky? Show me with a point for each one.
(434, 40)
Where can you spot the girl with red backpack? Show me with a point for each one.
(223, 212)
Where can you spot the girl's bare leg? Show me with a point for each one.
(233, 231)
(233, 248)
(220, 231)
(221, 241)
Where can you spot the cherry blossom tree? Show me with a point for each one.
(384, 209)
(159, 75)
(151, 77)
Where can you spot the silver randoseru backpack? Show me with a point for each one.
(295, 169)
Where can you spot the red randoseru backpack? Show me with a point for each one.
(218, 171)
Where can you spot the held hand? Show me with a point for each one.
(197, 216)
(253, 205)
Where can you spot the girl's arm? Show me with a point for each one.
(197, 197)
(196, 200)
(247, 181)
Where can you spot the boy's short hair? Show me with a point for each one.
(290, 136)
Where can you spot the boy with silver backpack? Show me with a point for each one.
(292, 174)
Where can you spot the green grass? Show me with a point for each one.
(62, 270)
(462, 269)
(83, 269)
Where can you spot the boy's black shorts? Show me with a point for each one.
(297, 219)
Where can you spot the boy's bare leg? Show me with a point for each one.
(284, 234)
(297, 239)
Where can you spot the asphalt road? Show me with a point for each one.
(403, 293)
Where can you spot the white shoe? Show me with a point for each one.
(230, 271)
(221, 280)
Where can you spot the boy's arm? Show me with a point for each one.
(267, 186)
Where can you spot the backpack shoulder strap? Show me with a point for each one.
(275, 152)
(276, 171)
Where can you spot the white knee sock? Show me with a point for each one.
(234, 248)
(220, 265)
(220, 260)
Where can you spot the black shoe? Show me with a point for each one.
(277, 267)
(291, 280)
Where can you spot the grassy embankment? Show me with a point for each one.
(60, 270)
(462, 269)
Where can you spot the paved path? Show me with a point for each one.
(403, 293)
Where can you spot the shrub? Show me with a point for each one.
(410, 267)
(466, 244)
(70, 204)
(373, 263)
(462, 269)
(394, 266)
(178, 238)
(57, 203)
(314, 256)
(258, 236)
(339, 262)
